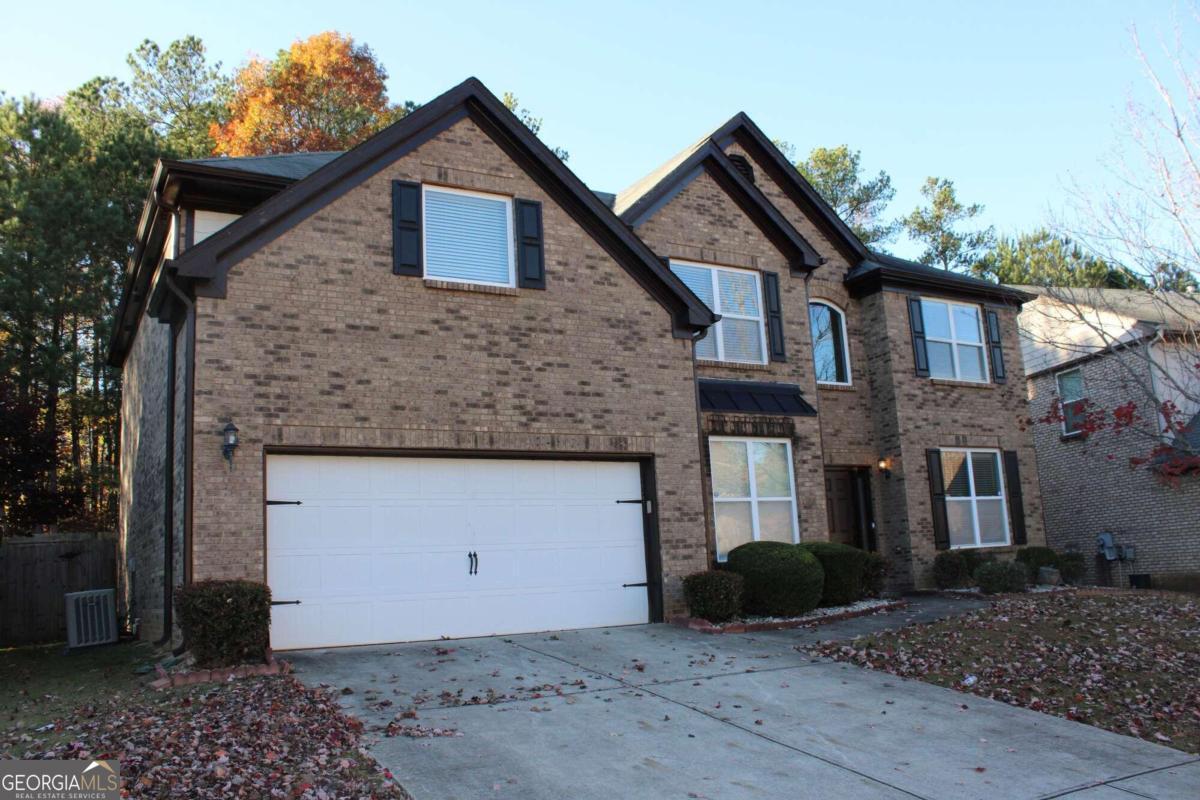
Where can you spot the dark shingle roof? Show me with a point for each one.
(887, 266)
(292, 166)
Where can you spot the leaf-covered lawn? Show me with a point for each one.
(1128, 662)
(252, 738)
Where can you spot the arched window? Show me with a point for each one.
(830, 356)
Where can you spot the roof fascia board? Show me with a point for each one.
(899, 280)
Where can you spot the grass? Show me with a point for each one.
(1127, 662)
(40, 684)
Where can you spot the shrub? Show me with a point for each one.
(1034, 558)
(843, 566)
(973, 559)
(1177, 582)
(950, 570)
(995, 577)
(714, 595)
(1071, 567)
(225, 622)
(875, 574)
(782, 580)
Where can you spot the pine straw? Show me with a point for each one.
(1126, 662)
(253, 738)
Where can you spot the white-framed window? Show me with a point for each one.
(1074, 401)
(831, 354)
(976, 506)
(468, 236)
(754, 492)
(954, 340)
(736, 294)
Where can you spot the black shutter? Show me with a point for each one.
(774, 317)
(916, 323)
(995, 351)
(406, 228)
(531, 269)
(1016, 504)
(937, 499)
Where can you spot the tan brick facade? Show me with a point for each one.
(319, 344)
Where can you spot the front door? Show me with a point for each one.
(848, 505)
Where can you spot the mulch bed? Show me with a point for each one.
(253, 738)
(1127, 662)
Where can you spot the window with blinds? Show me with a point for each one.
(468, 237)
(736, 295)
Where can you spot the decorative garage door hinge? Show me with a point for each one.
(282, 502)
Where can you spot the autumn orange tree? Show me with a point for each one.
(323, 93)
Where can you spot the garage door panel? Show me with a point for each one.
(382, 555)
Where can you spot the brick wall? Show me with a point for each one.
(1090, 487)
(703, 224)
(318, 343)
(143, 438)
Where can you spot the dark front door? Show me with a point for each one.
(848, 505)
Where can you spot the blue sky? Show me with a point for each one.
(1013, 101)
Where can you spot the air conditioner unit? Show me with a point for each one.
(91, 617)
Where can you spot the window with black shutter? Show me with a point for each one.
(531, 268)
(1016, 503)
(994, 349)
(937, 500)
(916, 324)
(774, 317)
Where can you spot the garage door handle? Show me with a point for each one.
(649, 504)
(472, 563)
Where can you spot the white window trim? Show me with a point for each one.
(845, 343)
(508, 205)
(1063, 401)
(954, 341)
(753, 497)
(718, 329)
(974, 499)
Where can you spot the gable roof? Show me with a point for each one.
(741, 129)
(882, 270)
(206, 265)
(640, 201)
(1175, 311)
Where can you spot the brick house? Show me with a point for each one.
(1089, 351)
(436, 386)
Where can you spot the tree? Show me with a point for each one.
(323, 93)
(530, 121)
(1041, 258)
(179, 94)
(938, 226)
(836, 173)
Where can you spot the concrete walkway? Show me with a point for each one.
(655, 711)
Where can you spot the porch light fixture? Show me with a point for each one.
(229, 442)
(885, 466)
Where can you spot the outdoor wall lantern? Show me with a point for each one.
(229, 442)
(885, 466)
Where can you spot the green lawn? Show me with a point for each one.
(39, 684)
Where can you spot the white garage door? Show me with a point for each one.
(405, 549)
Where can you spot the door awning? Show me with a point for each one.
(746, 397)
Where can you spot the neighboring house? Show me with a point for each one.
(1089, 351)
(473, 396)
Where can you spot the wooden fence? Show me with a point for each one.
(36, 572)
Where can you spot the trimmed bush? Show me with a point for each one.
(1034, 558)
(781, 580)
(843, 566)
(1071, 567)
(714, 595)
(950, 570)
(225, 622)
(995, 577)
(875, 574)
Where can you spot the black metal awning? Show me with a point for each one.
(746, 397)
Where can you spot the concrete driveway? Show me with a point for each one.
(656, 711)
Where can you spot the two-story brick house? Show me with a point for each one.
(435, 386)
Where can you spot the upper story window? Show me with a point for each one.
(831, 359)
(975, 499)
(736, 295)
(954, 341)
(468, 237)
(1074, 401)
